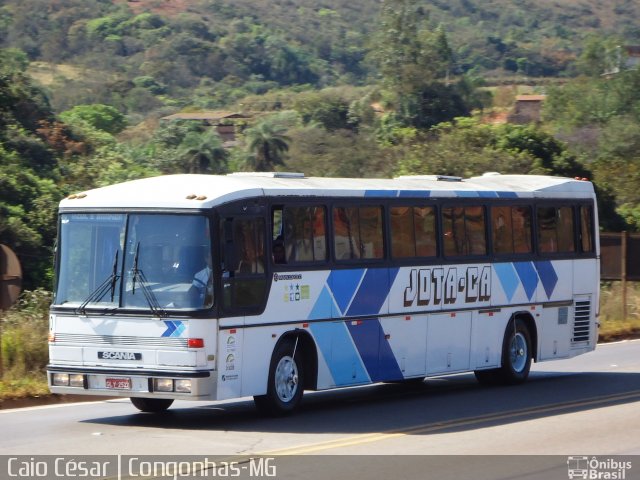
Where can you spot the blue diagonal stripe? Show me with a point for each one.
(508, 278)
(528, 277)
(375, 351)
(343, 285)
(548, 276)
(373, 291)
(339, 353)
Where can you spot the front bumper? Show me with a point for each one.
(134, 383)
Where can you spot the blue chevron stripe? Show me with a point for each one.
(174, 328)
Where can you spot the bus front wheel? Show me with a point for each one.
(286, 380)
(151, 405)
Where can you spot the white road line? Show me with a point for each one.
(56, 405)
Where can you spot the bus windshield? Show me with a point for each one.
(137, 261)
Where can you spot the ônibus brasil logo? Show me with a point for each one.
(597, 469)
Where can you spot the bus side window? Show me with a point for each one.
(464, 231)
(555, 230)
(277, 245)
(402, 232)
(502, 229)
(586, 228)
(413, 232)
(521, 222)
(425, 228)
(475, 230)
(547, 232)
(511, 229)
(453, 231)
(304, 237)
(357, 233)
(245, 285)
(566, 238)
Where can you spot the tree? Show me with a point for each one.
(268, 142)
(98, 116)
(414, 62)
(28, 217)
(202, 152)
(467, 147)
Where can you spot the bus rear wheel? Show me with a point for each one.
(516, 357)
(151, 405)
(286, 381)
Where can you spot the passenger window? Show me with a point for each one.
(547, 234)
(586, 228)
(425, 226)
(566, 241)
(358, 233)
(511, 229)
(413, 232)
(402, 232)
(464, 231)
(521, 220)
(555, 229)
(304, 234)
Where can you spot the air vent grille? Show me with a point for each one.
(582, 322)
(121, 341)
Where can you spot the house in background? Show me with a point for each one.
(527, 109)
(227, 124)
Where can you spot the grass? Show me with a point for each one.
(33, 386)
(24, 330)
(24, 348)
(612, 325)
(50, 74)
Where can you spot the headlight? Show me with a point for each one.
(60, 379)
(183, 386)
(76, 380)
(163, 385)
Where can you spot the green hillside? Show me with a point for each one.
(147, 54)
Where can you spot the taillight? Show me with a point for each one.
(195, 343)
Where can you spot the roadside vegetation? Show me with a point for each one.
(612, 324)
(24, 354)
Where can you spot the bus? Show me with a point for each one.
(212, 287)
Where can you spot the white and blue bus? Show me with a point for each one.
(201, 287)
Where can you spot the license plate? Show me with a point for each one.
(118, 383)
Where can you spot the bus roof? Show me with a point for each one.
(192, 191)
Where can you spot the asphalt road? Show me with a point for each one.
(583, 406)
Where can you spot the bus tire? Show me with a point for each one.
(516, 357)
(286, 380)
(516, 353)
(151, 405)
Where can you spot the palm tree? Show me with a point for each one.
(267, 141)
(203, 152)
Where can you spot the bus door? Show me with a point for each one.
(244, 289)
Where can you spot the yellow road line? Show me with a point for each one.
(432, 427)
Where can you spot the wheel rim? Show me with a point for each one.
(519, 352)
(286, 379)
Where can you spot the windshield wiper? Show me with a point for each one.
(149, 296)
(108, 285)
